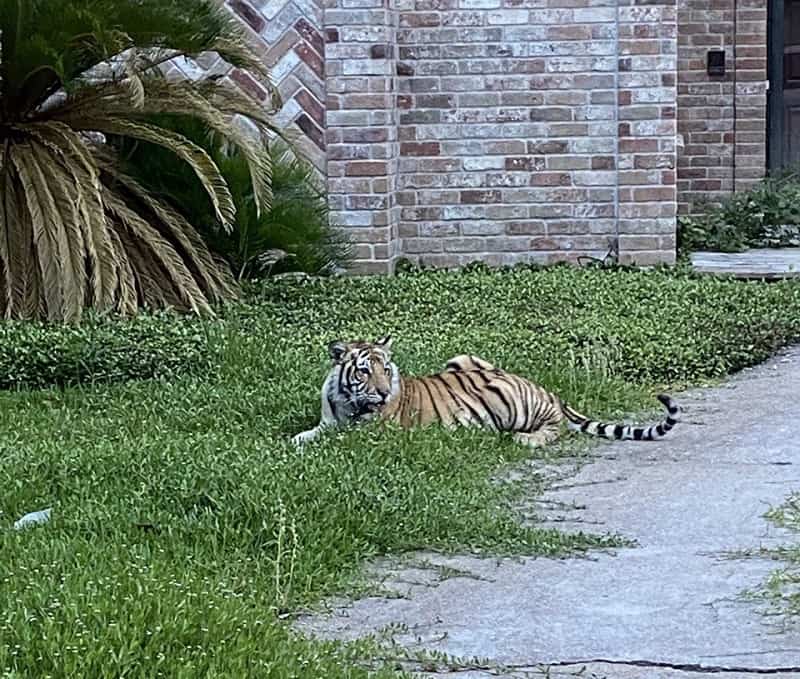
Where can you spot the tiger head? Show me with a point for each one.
(368, 378)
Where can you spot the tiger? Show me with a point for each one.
(364, 383)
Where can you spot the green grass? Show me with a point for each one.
(184, 523)
(782, 589)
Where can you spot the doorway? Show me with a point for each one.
(784, 85)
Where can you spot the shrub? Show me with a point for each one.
(36, 355)
(294, 223)
(768, 215)
(658, 327)
(75, 232)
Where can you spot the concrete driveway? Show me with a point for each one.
(669, 607)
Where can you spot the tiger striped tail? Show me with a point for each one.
(578, 422)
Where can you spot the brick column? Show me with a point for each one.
(361, 133)
(750, 140)
(647, 131)
(722, 118)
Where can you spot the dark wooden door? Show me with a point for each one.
(790, 144)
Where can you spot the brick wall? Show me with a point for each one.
(536, 130)
(288, 35)
(722, 119)
(507, 129)
(363, 150)
(647, 131)
(515, 130)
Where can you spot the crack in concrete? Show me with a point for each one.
(601, 482)
(697, 668)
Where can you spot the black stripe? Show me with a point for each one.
(524, 393)
(489, 411)
(433, 400)
(637, 433)
(482, 374)
(515, 397)
(472, 410)
(618, 429)
(585, 425)
(497, 390)
(660, 430)
(332, 405)
(474, 386)
(670, 422)
(444, 383)
(479, 397)
(537, 412)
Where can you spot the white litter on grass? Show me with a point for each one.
(33, 518)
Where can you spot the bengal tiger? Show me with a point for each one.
(364, 383)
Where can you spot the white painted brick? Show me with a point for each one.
(507, 17)
(284, 66)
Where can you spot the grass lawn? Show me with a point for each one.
(184, 523)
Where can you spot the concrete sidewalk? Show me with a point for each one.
(669, 607)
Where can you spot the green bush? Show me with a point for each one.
(101, 349)
(656, 327)
(296, 222)
(768, 215)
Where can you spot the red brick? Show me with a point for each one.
(551, 179)
(311, 58)
(480, 196)
(248, 84)
(427, 148)
(311, 130)
(311, 35)
(603, 163)
(363, 168)
(249, 14)
(312, 106)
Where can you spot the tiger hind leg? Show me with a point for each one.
(536, 439)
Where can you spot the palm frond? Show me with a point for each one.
(76, 229)
(80, 161)
(212, 279)
(66, 194)
(193, 155)
(127, 301)
(160, 251)
(42, 210)
(215, 104)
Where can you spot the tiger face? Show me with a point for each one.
(367, 377)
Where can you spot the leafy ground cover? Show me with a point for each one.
(765, 216)
(185, 525)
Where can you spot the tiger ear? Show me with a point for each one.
(384, 343)
(337, 350)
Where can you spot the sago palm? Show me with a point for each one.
(75, 230)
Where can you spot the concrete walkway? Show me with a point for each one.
(670, 607)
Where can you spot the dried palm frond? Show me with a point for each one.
(75, 230)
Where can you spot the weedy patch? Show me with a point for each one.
(185, 526)
(781, 591)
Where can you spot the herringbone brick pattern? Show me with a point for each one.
(288, 35)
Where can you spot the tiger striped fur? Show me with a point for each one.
(364, 383)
